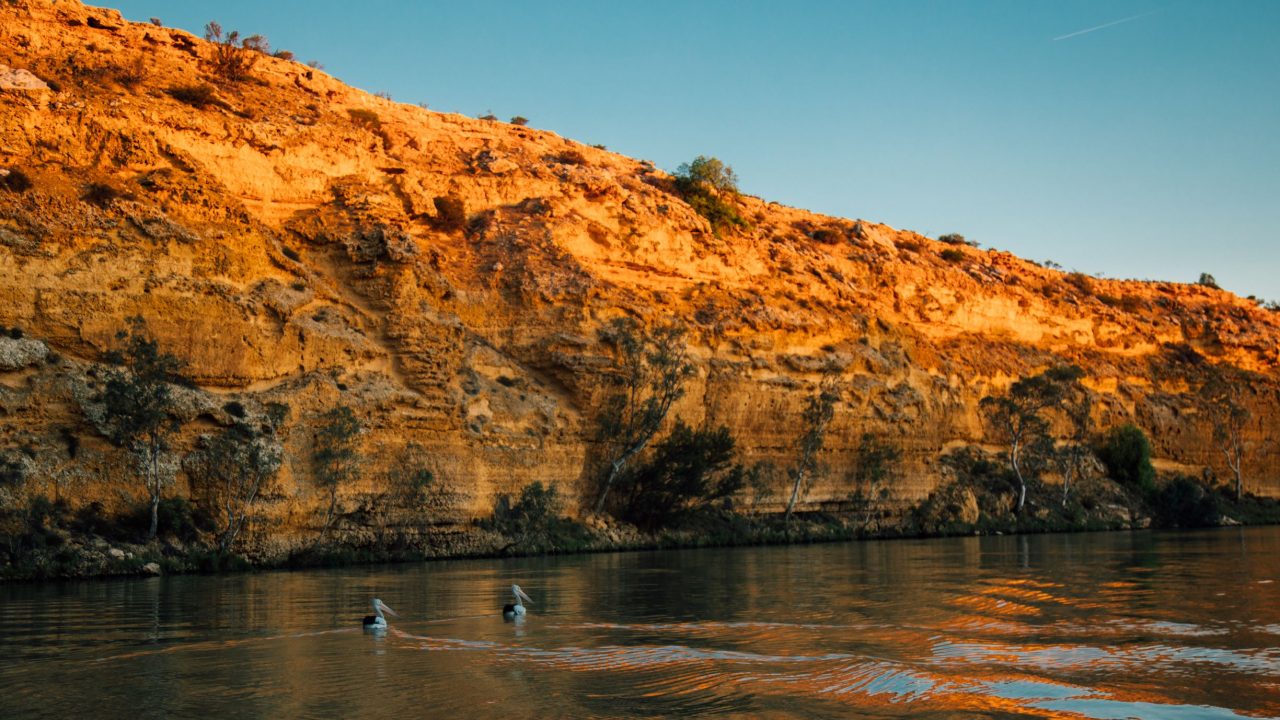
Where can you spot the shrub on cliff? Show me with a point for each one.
(233, 58)
(102, 195)
(689, 469)
(15, 181)
(1184, 503)
(133, 72)
(28, 528)
(1126, 453)
(200, 95)
(451, 214)
(710, 187)
(367, 119)
(533, 523)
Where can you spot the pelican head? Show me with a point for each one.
(377, 620)
(517, 607)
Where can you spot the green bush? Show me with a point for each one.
(175, 516)
(533, 522)
(708, 172)
(1184, 503)
(953, 239)
(951, 255)
(92, 519)
(520, 120)
(689, 469)
(1127, 454)
(710, 186)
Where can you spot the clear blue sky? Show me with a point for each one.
(1148, 148)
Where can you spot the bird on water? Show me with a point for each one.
(513, 609)
(377, 621)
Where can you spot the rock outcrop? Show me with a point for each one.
(282, 236)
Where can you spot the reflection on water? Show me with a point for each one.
(1151, 625)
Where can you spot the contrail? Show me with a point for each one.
(1104, 25)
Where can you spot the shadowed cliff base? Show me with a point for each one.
(326, 321)
(51, 542)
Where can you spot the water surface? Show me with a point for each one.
(1111, 625)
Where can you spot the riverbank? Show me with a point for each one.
(67, 552)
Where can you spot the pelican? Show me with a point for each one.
(376, 621)
(516, 608)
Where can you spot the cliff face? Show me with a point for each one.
(282, 238)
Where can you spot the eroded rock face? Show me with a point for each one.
(284, 240)
(19, 79)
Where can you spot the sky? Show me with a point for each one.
(1121, 138)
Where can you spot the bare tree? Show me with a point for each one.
(650, 375)
(819, 409)
(1017, 416)
(1221, 396)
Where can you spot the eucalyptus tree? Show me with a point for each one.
(335, 457)
(1228, 415)
(875, 466)
(1018, 417)
(819, 410)
(648, 378)
(234, 467)
(140, 411)
(1073, 453)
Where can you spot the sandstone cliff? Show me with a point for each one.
(281, 237)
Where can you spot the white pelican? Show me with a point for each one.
(376, 621)
(516, 608)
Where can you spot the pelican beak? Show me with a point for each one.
(388, 610)
(524, 597)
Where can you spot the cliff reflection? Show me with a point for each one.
(1097, 626)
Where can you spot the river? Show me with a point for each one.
(1105, 625)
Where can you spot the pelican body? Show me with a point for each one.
(514, 609)
(377, 621)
